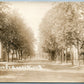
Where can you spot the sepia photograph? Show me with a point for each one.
(41, 41)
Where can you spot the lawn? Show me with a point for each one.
(55, 73)
(39, 76)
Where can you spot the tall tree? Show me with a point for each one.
(14, 34)
(62, 27)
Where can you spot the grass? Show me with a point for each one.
(43, 76)
(37, 76)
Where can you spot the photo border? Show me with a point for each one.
(44, 82)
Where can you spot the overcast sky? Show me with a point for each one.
(32, 13)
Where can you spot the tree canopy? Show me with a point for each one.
(62, 26)
(14, 33)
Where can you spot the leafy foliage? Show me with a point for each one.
(63, 26)
(14, 34)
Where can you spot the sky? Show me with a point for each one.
(32, 13)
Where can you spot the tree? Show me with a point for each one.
(15, 36)
(65, 24)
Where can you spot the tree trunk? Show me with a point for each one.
(26, 57)
(83, 58)
(52, 55)
(65, 55)
(0, 50)
(57, 57)
(71, 55)
(78, 52)
(16, 54)
(8, 49)
(21, 54)
(62, 56)
(8, 56)
(12, 55)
